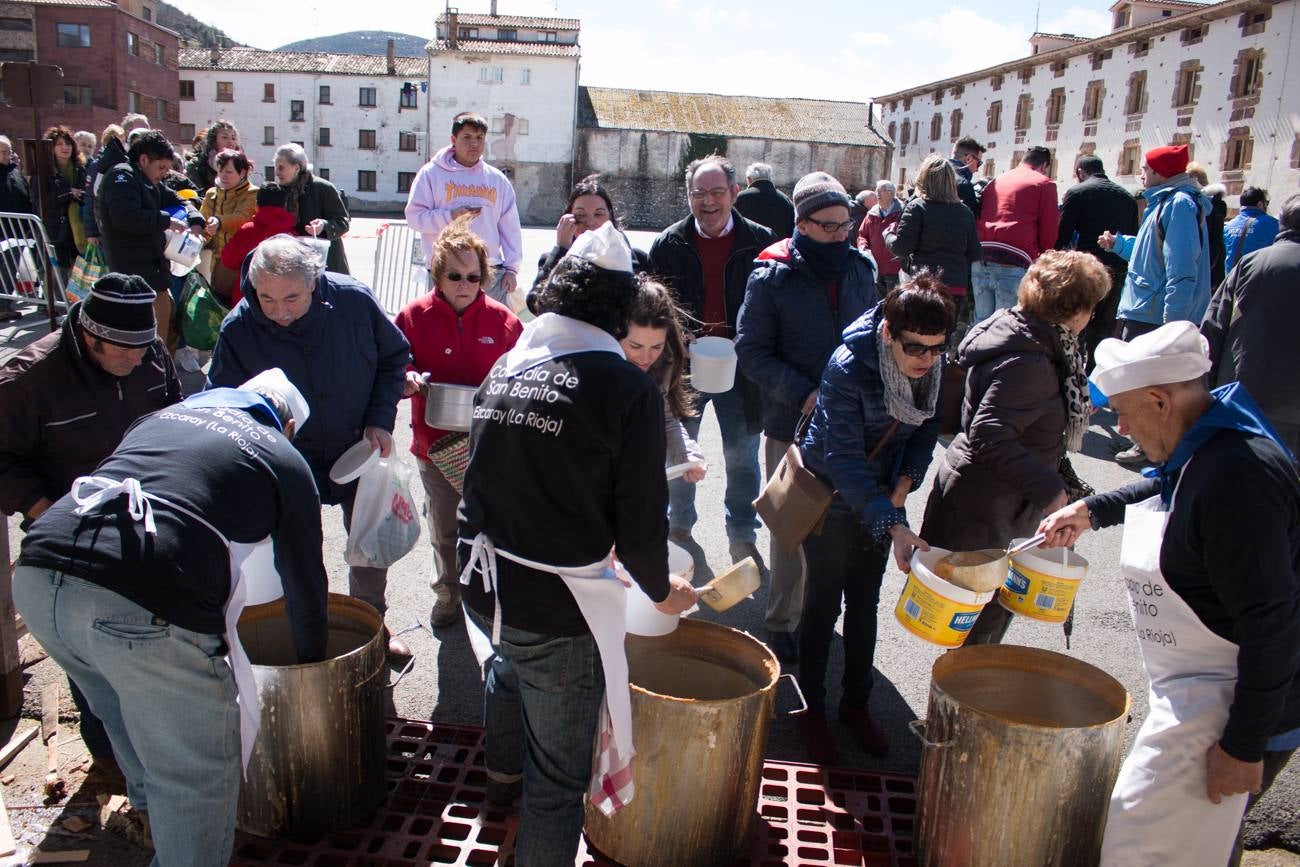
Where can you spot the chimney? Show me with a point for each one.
(392, 57)
(453, 28)
(494, 8)
(214, 57)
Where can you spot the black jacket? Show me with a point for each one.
(1214, 222)
(132, 221)
(965, 186)
(15, 198)
(787, 329)
(109, 155)
(938, 235)
(55, 201)
(64, 413)
(320, 200)
(1090, 208)
(764, 204)
(1251, 328)
(1001, 469)
(673, 260)
(1231, 551)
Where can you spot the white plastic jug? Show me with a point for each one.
(713, 364)
(642, 616)
(183, 249)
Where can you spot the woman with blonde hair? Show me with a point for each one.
(456, 334)
(1025, 407)
(936, 230)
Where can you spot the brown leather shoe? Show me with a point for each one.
(870, 733)
(446, 605)
(817, 739)
(397, 647)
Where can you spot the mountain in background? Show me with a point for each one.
(191, 29)
(361, 42)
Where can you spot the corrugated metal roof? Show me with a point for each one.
(491, 46)
(811, 120)
(319, 62)
(470, 19)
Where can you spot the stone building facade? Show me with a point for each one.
(640, 142)
(1212, 76)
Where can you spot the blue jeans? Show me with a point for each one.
(993, 287)
(740, 453)
(540, 711)
(167, 699)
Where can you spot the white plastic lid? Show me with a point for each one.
(676, 471)
(354, 462)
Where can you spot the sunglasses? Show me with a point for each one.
(916, 350)
(830, 227)
(457, 277)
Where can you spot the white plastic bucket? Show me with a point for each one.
(322, 246)
(642, 616)
(713, 364)
(183, 248)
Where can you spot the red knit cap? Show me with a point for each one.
(1169, 160)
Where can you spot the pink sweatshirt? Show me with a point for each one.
(443, 185)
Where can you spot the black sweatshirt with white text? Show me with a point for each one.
(1232, 552)
(567, 462)
(244, 478)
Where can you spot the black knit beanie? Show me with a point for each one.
(271, 195)
(119, 310)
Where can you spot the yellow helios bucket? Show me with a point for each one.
(934, 610)
(1041, 583)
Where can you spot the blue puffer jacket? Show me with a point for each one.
(1174, 283)
(345, 356)
(787, 329)
(1253, 229)
(851, 417)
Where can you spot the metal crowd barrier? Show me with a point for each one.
(400, 272)
(29, 270)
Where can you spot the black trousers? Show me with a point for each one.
(843, 563)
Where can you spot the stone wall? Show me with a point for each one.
(645, 170)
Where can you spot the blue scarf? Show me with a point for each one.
(233, 398)
(1233, 409)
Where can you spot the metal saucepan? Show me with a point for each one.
(981, 571)
(448, 407)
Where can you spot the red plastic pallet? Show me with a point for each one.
(436, 814)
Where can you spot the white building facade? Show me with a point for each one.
(521, 73)
(1212, 76)
(361, 118)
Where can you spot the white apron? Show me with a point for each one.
(1159, 811)
(602, 599)
(139, 508)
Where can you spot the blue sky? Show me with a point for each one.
(826, 50)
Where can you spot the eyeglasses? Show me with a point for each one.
(830, 227)
(701, 195)
(917, 350)
(457, 277)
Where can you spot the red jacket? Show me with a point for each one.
(267, 221)
(871, 238)
(456, 349)
(1019, 210)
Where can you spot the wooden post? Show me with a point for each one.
(11, 671)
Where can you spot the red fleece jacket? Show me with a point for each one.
(267, 221)
(454, 349)
(1019, 209)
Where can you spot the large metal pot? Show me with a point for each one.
(1022, 748)
(319, 760)
(449, 407)
(702, 700)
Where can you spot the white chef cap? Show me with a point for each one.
(277, 383)
(1175, 352)
(605, 247)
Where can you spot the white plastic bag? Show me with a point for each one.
(385, 520)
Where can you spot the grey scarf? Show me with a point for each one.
(911, 401)
(1078, 404)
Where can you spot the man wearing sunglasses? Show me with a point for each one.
(706, 260)
(807, 290)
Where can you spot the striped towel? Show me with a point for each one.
(611, 774)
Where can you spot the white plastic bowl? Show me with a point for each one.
(713, 364)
